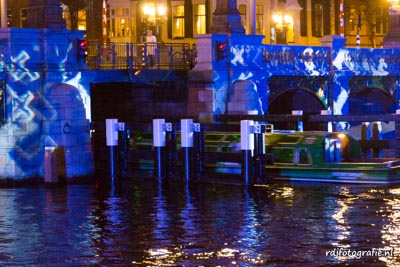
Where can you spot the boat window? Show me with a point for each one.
(290, 139)
(303, 156)
(332, 150)
(283, 155)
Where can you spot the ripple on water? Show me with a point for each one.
(145, 224)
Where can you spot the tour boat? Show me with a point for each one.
(324, 157)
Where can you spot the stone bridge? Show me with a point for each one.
(255, 78)
(46, 90)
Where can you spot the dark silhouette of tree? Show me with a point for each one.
(94, 17)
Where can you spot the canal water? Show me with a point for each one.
(144, 223)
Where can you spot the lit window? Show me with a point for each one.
(318, 19)
(82, 20)
(120, 23)
(242, 11)
(259, 20)
(199, 19)
(351, 25)
(23, 16)
(178, 27)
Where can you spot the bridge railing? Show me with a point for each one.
(307, 60)
(106, 55)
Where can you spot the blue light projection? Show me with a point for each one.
(44, 93)
(18, 71)
(271, 69)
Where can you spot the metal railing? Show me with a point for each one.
(136, 56)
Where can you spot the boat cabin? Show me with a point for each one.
(310, 148)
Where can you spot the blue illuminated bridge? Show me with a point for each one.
(255, 78)
(51, 98)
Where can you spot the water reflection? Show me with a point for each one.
(145, 223)
(391, 229)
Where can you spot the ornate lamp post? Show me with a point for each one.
(282, 23)
(285, 22)
(153, 15)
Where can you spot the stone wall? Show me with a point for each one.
(47, 103)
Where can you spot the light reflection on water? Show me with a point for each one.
(143, 223)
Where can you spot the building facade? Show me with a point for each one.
(301, 22)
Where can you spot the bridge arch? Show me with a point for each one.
(296, 99)
(371, 100)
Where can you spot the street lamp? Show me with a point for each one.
(153, 15)
(282, 23)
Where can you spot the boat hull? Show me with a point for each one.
(341, 173)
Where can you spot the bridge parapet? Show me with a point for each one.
(297, 60)
(322, 60)
(274, 59)
(367, 61)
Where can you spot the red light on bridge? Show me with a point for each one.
(221, 50)
(82, 48)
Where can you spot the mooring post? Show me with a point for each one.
(198, 149)
(259, 150)
(159, 140)
(247, 148)
(366, 135)
(377, 135)
(112, 141)
(187, 146)
(171, 151)
(122, 166)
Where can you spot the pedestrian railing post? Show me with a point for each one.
(129, 57)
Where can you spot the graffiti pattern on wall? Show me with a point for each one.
(34, 116)
(270, 69)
